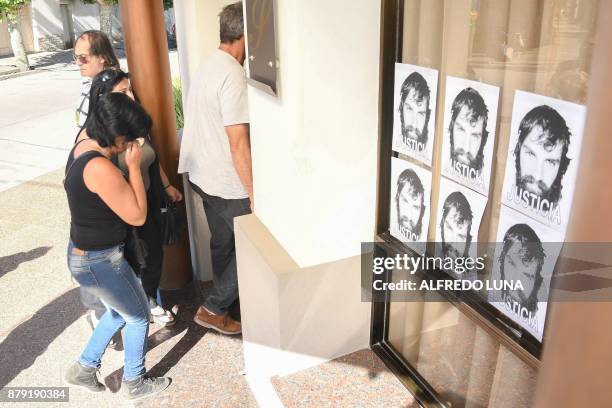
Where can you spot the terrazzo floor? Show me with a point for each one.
(359, 379)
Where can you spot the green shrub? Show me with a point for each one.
(178, 101)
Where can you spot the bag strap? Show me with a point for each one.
(85, 97)
(74, 161)
(76, 139)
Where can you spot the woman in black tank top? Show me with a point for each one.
(158, 190)
(101, 203)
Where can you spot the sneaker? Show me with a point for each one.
(159, 315)
(85, 377)
(144, 386)
(221, 323)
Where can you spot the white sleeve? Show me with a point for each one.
(233, 99)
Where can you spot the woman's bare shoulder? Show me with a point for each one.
(99, 172)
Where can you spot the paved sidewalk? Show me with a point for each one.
(43, 327)
(37, 125)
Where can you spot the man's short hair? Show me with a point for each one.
(524, 235)
(231, 23)
(555, 131)
(418, 84)
(457, 200)
(476, 109)
(409, 178)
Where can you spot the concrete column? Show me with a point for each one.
(147, 54)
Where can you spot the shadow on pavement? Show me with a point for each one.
(11, 262)
(187, 342)
(60, 57)
(25, 343)
(184, 324)
(64, 57)
(30, 339)
(170, 359)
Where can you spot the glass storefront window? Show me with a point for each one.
(538, 46)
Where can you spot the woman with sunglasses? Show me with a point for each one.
(156, 185)
(101, 204)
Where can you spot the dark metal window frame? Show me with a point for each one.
(484, 315)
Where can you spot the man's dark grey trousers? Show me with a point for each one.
(220, 213)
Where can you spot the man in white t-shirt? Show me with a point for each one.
(216, 152)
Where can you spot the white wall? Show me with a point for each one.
(315, 147)
(293, 318)
(26, 33)
(47, 20)
(85, 17)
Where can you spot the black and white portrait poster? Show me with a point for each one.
(526, 251)
(410, 201)
(470, 120)
(414, 106)
(543, 153)
(458, 220)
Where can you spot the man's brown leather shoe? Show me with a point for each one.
(221, 323)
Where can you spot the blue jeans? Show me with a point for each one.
(107, 275)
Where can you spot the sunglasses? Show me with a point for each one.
(82, 58)
(107, 76)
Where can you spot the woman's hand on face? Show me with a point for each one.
(174, 194)
(133, 154)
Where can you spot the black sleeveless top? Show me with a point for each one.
(93, 225)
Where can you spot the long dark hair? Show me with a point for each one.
(103, 84)
(117, 115)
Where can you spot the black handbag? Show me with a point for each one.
(135, 250)
(170, 221)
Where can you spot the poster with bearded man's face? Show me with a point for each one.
(542, 161)
(410, 197)
(414, 111)
(470, 120)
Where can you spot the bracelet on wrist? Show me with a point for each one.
(166, 187)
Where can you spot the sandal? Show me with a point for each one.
(162, 317)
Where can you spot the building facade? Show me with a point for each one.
(325, 182)
(53, 25)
